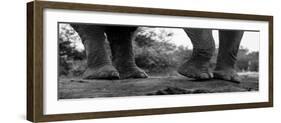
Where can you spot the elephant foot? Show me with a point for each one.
(228, 75)
(134, 72)
(196, 69)
(104, 72)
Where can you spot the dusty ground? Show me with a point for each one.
(79, 88)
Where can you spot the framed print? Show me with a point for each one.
(89, 61)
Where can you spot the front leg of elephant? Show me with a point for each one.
(198, 66)
(227, 57)
(120, 39)
(99, 65)
(203, 48)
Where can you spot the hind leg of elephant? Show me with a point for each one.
(99, 65)
(227, 57)
(120, 39)
(203, 48)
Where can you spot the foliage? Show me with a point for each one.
(247, 61)
(154, 52)
(68, 52)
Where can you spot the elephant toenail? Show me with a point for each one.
(143, 75)
(236, 79)
(114, 74)
(204, 76)
(211, 75)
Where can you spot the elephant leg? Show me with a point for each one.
(227, 56)
(198, 66)
(120, 39)
(99, 65)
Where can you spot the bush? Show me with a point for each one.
(247, 61)
(154, 52)
(69, 55)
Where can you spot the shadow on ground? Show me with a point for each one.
(80, 88)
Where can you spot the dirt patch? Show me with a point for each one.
(79, 88)
(176, 90)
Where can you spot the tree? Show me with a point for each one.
(153, 51)
(254, 61)
(247, 61)
(68, 51)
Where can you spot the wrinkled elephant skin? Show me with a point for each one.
(122, 65)
(203, 49)
(99, 64)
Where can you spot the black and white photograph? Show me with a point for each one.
(107, 60)
(98, 61)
